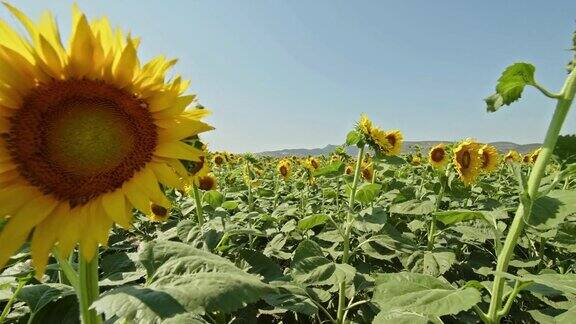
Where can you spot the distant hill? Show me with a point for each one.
(406, 147)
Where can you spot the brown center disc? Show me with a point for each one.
(78, 139)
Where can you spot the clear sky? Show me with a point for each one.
(297, 74)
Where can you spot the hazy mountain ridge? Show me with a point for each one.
(503, 147)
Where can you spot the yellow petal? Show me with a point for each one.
(21, 224)
(12, 198)
(70, 231)
(52, 62)
(149, 184)
(178, 150)
(180, 128)
(81, 50)
(100, 221)
(126, 65)
(136, 196)
(88, 244)
(179, 106)
(114, 204)
(45, 236)
(163, 100)
(166, 175)
(12, 40)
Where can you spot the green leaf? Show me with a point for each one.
(213, 198)
(562, 282)
(309, 265)
(230, 205)
(312, 221)
(368, 192)
(510, 85)
(215, 291)
(403, 317)
(413, 207)
(38, 296)
(422, 294)
(550, 211)
(291, 297)
(334, 169)
(437, 263)
(261, 264)
(141, 304)
(450, 217)
(353, 138)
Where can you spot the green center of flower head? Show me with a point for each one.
(89, 137)
(78, 139)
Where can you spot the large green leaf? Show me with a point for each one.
(510, 85)
(403, 317)
(215, 291)
(413, 207)
(422, 294)
(38, 296)
(334, 169)
(261, 264)
(368, 192)
(437, 263)
(311, 221)
(549, 211)
(562, 282)
(214, 198)
(144, 305)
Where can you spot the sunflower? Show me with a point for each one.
(467, 161)
(379, 137)
(534, 155)
(218, 159)
(512, 157)
(365, 125)
(349, 170)
(395, 139)
(158, 213)
(87, 133)
(368, 171)
(416, 160)
(314, 163)
(207, 182)
(438, 156)
(284, 168)
(490, 158)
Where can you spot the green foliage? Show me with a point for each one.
(511, 85)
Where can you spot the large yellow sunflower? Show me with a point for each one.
(87, 133)
(395, 139)
(284, 168)
(365, 124)
(467, 161)
(512, 157)
(379, 137)
(158, 214)
(490, 158)
(367, 171)
(438, 156)
(534, 155)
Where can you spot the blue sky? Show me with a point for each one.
(297, 74)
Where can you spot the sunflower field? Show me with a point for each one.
(113, 209)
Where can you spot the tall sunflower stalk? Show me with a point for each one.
(508, 90)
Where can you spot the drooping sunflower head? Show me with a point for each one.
(314, 163)
(467, 161)
(284, 168)
(395, 139)
(207, 182)
(365, 125)
(158, 214)
(368, 171)
(438, 156)
(218, 159)
(512, 157)
(87, 133)
(534, 155)
(379, 138)
(490, 158)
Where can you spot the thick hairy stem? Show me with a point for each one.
(89, 290)
(529, 195)
(348, 228)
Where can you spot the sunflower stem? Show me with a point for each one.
(89, 290)
(6, 311)
(432, 231)
(529, 195)
(346, 239)
(199, 211)
(67, 274)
